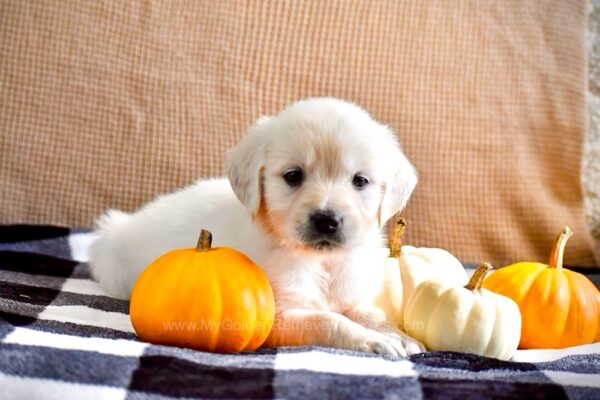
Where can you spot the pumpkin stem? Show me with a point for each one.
(477, 278)
(396, 235)
(558, 251)
(205, 241)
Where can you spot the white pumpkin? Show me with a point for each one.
(467, 319)
(388, 284)
(413, 265)
(419, 264)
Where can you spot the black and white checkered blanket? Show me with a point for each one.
(62, 338)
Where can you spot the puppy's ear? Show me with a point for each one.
(399, 184)
(244, 165)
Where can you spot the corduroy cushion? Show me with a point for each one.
(108, 104)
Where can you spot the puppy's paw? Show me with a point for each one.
(410, 344)
(375, 319)
(375, 342)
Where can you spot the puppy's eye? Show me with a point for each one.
(293, 177)
(359, 182)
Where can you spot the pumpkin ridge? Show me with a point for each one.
(233, 306)
(574, 310)
(267, 301)
(168, 280)
(496, 280)
(545, 283)
(575, 313)
(491, 322)
(177, 270)
(251, 321)
(448, 296)
(420, 320)
(218, 302)
(153, 301)
(497, 320)
(241, 313)
(430, 320)
(196, 316)
(526, 276)
(260, 335)
(473, 310)
(572, 304)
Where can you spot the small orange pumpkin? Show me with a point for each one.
(598, 330)
(560, 308)
(211, 299)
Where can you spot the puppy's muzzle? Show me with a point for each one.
(324, 229)
(325, 222)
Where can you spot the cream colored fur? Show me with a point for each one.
(322, 294)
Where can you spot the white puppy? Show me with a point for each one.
(312, 187)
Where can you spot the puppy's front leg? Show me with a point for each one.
(375, 318)
(303, 327)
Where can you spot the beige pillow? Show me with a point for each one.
(107, 104)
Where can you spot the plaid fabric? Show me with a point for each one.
(61, 337)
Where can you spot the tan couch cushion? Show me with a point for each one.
(107, 104)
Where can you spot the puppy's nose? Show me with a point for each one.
(325, 221)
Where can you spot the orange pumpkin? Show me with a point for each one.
(212, 299)
(559, 307)
(598, 331)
